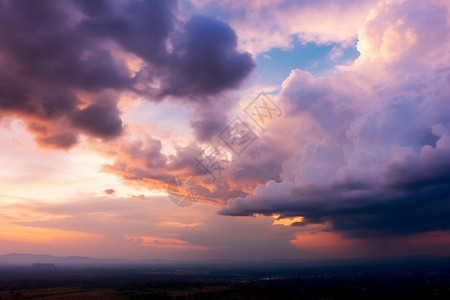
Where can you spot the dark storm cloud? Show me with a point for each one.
(196, 58)
(50, 51)
(100, 119)
(140, 27)
(206, 60)
(45, 59)
(363, 210)
(42, 45)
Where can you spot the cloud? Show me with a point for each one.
(281, 22)
(206, 59)
(161, 242)
(61, 141)
(109, 191)
(372, 141)
(211, 117)
(142, 161)
(398, 34)
(196, 58)
(64, 66)
(100, 119)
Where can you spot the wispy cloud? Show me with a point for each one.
(162, 242)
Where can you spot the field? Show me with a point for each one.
(425, 278)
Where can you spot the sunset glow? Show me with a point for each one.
(294, 129)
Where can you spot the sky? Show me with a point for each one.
(200, 129)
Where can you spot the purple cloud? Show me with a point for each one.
(372, 141)
(61, 66)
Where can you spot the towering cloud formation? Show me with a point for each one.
(373, 139)
(64, 65)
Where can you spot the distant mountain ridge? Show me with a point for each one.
(21, 259)
(24, 259)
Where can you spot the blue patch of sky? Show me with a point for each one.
(275, 65)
